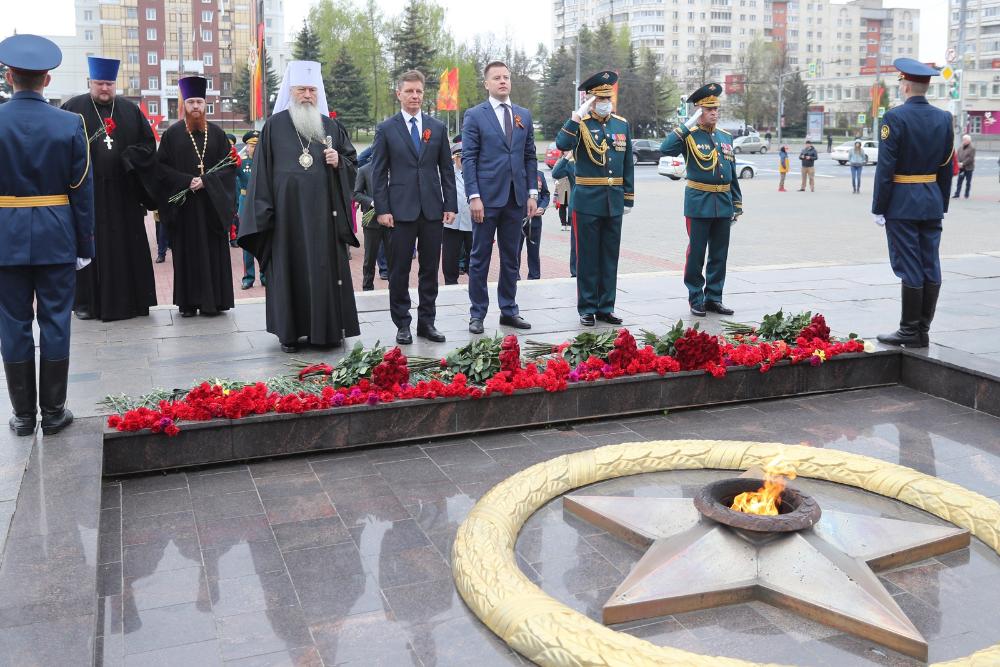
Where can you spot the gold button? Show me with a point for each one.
(611, 181)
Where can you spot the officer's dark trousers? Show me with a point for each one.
(534, 249)
(377, 239)
(53, 287)
(504, 224)
(913, 250)
(711, 234)
(427, 235)
(457, 246)
(572, 244)
(598, 239)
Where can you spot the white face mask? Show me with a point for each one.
(603, 108)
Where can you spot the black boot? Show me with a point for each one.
(909, 323)
(52, 396)
(931, 291)
(23, 396)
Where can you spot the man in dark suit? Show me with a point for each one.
(500, 170)
(414, 187)
(46, 233)
(376, 236)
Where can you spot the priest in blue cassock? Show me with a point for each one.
(295, 218)
(118, 284)
(199, 225)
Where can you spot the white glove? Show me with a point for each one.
(585, 107)
(880, 220)
(82, 262)
(628, 209)
(693, 120)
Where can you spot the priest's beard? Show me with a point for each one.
(307, 121)
(195, 122)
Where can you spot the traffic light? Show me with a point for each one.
(956, 90)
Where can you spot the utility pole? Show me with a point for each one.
(959, 106)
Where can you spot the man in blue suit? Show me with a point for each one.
(500, 170)
(46, 233)
(414, 191)
(912, 184)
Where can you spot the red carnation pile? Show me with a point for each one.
(624, 352)
(392, 373)
(510, 354)
(816, 329)
(698, 350)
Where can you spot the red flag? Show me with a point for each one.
(152, 120)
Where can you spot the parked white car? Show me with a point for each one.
(842, 152)
(671, 167)
(745, 170)
(751, 143)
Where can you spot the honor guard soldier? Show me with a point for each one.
(712, 199)
(46, 233)
(912, 184)
(605, 190)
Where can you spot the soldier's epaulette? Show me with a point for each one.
(614, 115)
(719, 129)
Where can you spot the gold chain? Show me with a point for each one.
(705, 161)
(596, 153)
(204, 147)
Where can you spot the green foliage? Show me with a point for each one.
(557, 91)
(241, 89)
(350, 92)
(666, 344)
(413, 46)
(759, 63)
(307, 44)
(590, 344)
(5, 88)
(797, 99)
(774, 327)
(479, 360)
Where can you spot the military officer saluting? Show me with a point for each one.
(46, 233)
(712, 199)
(605, 190)
(912, 183)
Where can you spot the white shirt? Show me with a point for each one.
(499, 111)
(420, 125)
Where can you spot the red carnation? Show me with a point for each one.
(109, 126)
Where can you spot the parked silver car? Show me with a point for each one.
(750, 143)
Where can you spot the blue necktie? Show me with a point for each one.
(414, 135)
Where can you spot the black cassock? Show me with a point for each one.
(297, 227)
(118, 284)
(199, 228)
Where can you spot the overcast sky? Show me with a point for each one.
(530, 21)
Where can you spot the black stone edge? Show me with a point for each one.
(266, 436)
(953, 376)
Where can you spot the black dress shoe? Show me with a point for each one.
(475, 326)
(515, 321)
(160, 259)
(403, 336)
(717, 307)
(383, 276)
(588, 320)
(367, 288)
(290, 348)
(431, 334)
(246, 283)
(189, 313)
(697, 310)
(83, 314)
(610, 318)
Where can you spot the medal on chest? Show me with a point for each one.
(619, 142)
(305, 159)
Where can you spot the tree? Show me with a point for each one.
(5, 89)
(759, 66)
(307, 44)
(412, 46)
(350, 92)
(557, 93)
(796, 99)
(241, 89)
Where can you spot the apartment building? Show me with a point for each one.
(158, 41)
(974, 40)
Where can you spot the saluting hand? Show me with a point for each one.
(332, 158)
(196, 184)
(477, 209)
(449, 218)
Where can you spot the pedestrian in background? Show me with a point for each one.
(456, 249)
(829, 142)
(560, 195)
(532, 233)
(808, 157)
(857, 160)
(966, 163)
(565, 169)
(782, 167)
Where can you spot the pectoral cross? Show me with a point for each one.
(201, 168)
(108, 141)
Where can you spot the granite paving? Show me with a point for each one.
(344, 558)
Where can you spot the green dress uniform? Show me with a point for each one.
(712, 201)
(605, 186)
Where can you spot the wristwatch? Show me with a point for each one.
(535, 197)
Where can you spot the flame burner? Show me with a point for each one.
(797, 510)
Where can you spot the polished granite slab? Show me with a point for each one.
(343, 558)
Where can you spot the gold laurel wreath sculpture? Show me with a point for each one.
(551, 634)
